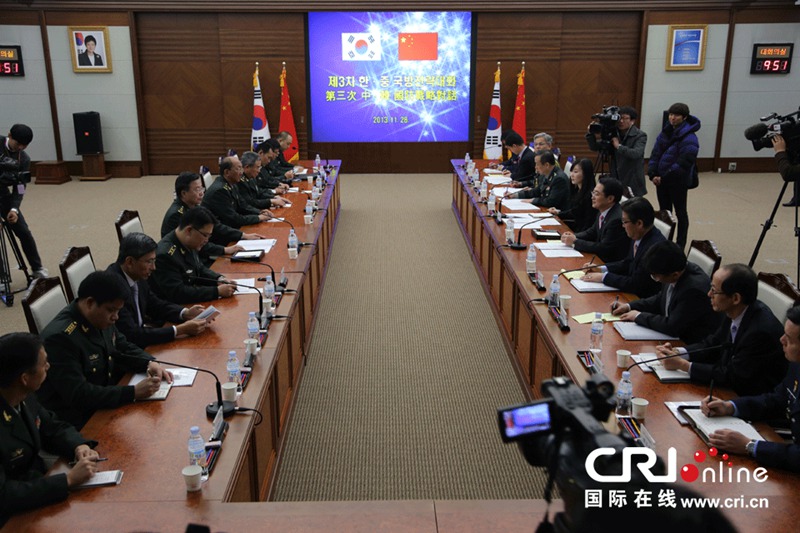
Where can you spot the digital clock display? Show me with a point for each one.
(771, 58)
(11, 61)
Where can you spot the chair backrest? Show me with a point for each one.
(75, 266)
(43, 301)
(128, 222)
(705, 255)
(208, 179)
(778, 293)
(665, 223)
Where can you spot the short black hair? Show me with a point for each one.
(266, 146)
(21, 133)
(679, 109)
(611, 187)
(135, 245)
(184, 182)
(226, 163)
(197, 217)
(664, 258)
(793, 315)
(505, 134)
(90, 38)
(274, 144)
(639, 208)
(630, 111)
(741, 279)
(547, 157)
(103, 287)
(514, 139)
(19, 353)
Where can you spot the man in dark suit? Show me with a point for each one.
(223, 198)
(751, 359)
(630, 275)
(606, 239)
(782, 401)
(89, 58)
(135, 262)
(27, 428)
(682, 308)
(552, 189)
(280, 165)
(525, 169)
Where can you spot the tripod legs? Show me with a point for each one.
(6, 294)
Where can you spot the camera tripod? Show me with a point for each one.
(769, 223)
(6, 294)
(605, 164)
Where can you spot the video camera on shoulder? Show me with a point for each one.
(604, 124)
(10, 174)
(786, 126)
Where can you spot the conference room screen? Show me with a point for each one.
(390, 76)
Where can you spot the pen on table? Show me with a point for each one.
(98, 460)
(616, 303)
(711, 391)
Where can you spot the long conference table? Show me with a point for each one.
(147, 440)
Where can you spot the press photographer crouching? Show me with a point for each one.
(614, 133)
(14, 177)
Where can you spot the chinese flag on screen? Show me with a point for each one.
(418, 46)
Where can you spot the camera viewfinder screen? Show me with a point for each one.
(527, 419)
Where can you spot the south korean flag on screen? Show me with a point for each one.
(361, 47)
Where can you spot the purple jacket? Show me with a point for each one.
(675, 151)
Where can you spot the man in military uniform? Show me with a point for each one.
(223, 198)
(180, 275)
(189, 192)
(270, 177)
(249, 189)
(26, 428)
(88, 354)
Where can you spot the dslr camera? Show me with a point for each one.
(605, 124)
(10, 173)
(786, 126)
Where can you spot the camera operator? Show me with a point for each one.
(627, 149)
(14, 175)
(789, 169)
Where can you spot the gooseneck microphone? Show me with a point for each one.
(280, 286)
(228, 282)
(228, 408)
(722, 346)
(517, 245)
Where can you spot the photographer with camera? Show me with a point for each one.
(14, 176)
(789, 169)
(624, 143)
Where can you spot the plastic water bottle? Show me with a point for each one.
(484, 189)
(317, 163)
(315, 194)
(309, 207)
(530, 261)
(234, 373)
(555, 292)
(268, 296)
(467, 159)
(197, 448)
(292, 239)
(596, 337)
(510, 232)
(624, 395)
(252, 325)
(490, 203)
(319, 182)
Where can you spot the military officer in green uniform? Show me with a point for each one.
(223, 198)
(180, 275)
(88, 354)
(189, 192)
(26, 428)
(249, 188)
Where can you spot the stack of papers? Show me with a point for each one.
(657, 367)
(497, 180)
(587, 318)
(244, 286)
(557, 249)
(706, 426)
(631, 331)
(519, 205)
(493, 171)
(591, 286)
(502, 191)
(258, 244)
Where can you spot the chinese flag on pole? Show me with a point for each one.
(287, 119)
(519, 124)
(418, 46)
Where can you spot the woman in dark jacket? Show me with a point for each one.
(672, 165)
(580, 214)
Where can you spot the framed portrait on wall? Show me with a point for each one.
(91, 49)
(686, 48)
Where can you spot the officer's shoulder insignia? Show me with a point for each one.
(227, 187)
(94, 357)
(6, 416)
(172, 250)
(17, 453)
(71, 328)
(180, 210)
(85, 329)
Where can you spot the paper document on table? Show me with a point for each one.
(519, 205)
(642, 357)
(160, 394)
(631, 331)
(591, 286)
(498, 180)
(502, 191)
(575, 274)
(546, 222)
(706, 426)
(493, 171)
(257, 244)
(293, 189)
(106, 477)
(657, 367)
(674, 408)
(183, 377)
(557, 249)
(209, 313)
(587, 318)
(241, 289)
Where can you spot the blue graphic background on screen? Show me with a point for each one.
(362, 110)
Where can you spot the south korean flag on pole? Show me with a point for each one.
(361, 47)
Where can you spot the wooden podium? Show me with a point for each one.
(52, 172)
(94, 167)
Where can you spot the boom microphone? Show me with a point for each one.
(755, 132)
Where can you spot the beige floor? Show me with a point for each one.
(729, 209)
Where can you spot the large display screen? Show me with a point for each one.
(390, 76)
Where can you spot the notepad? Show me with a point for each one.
(657, 367)
(209, 313)
(587, 318)
(705, 426)
(591, 286)
(631, 331)
(497, 180)
(159, 395)
(257, 244)
(107, 477)
(677, 412)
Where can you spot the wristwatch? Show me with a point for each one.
(750, 448)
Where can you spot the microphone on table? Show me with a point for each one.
(517, 245)
(300, 244)
(258, 293)
(722, 346)
(228, 408)
(279, 285)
